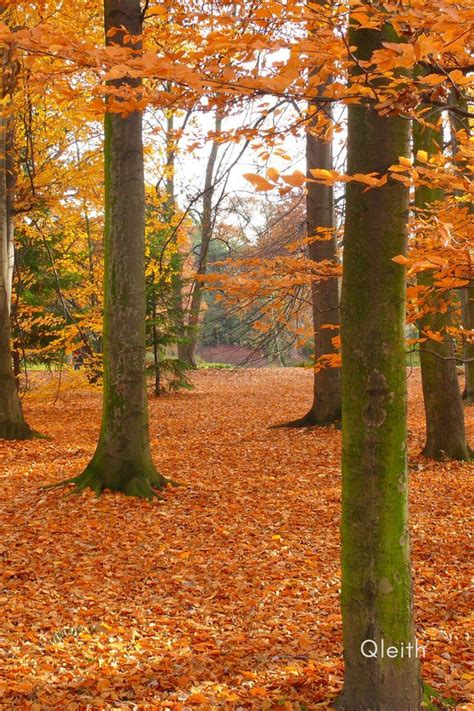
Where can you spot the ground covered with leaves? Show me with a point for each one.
(225, 593)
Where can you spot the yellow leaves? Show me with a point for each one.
(259, 183)
(400, 259)
(323, 175)
(458, 77)
(407, 162)
(258, 692)
(398, 55)
(296, 179)
(434, 335)
(422, 156)
(433, 79)
(197, 698)
(369, 179)
(330, 177)
(273, 174)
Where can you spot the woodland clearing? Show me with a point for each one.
(224, 594)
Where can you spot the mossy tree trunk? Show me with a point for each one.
(445, 429)
(12, 421)
(122, 461)
(376, 578)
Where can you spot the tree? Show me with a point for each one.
(12, 421)
(122, 460)
(445, 429)
(466, 295)
(467, 311)
(376, 581)
(321, 226)
(188, 352)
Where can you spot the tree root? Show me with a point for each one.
(140, 486)
(18, 431)
(307, 421)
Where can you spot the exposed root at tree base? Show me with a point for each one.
(307, 421)
(18, 431)
(461, 454)
(141, 486)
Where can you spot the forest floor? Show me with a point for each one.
(224, 594)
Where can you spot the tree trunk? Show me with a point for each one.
(445, 429)
(376, 579)
(12, 422)
(176, 263)
(466, 295)
(122, 461)
(189, 350)
(467, 316)
(326, 407)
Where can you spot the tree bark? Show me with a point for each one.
(12, 421)
(122, 461)
(466, 295)
(176, 263)
(445, 428)
(189, 349)
(467, 318)
(376, 579)
(326, 407)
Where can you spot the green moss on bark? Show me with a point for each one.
(122, 461)
(376, 593)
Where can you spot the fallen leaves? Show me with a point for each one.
(225, 594)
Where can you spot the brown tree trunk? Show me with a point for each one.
(467, 316)
(189, 349)
(466, 294)
(12, 422)
(122, 461)
(326, 407)
(321, 223)
(445, 429)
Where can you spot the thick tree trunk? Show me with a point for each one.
(376, 578)
(122, 461)
(189, 349)
(445, 429)
(12, 422)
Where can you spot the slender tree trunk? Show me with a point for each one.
(376, 579)
(189, 351)
(122, 461)
(466, 295)
(170, 208)
(326, 407)
(467, 316)
(12, 422)
(445, 429)
(156, 348)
